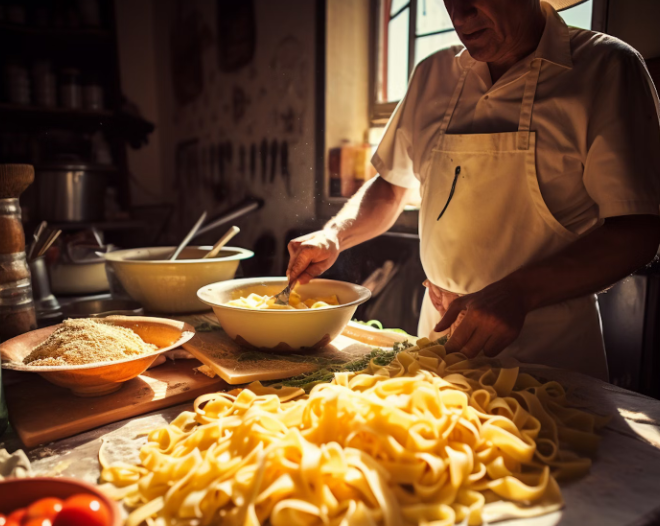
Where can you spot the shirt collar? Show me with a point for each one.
(554, 46)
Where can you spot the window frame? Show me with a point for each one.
(380, 112)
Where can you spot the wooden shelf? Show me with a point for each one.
(30, 116)
(87, 33)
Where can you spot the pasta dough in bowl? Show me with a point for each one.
(317, 313)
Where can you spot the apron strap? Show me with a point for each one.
(452, 104)
(527, 103)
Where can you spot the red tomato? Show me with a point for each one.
(83, 510)
(3, 520)
(39, 521)
(16, 516)
(46, 508)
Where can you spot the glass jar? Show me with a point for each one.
(45, 85)
(92, 94)
(71, 89)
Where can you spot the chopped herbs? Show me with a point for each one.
(326, 372)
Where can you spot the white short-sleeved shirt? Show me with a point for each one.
(595, 115)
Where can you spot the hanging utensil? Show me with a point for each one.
(286, 175)
(263, 152)
(220, 191)
(273, 160)
(229, 158)
(241, 161)
(222, 242)
(188, 237)
(253, 161)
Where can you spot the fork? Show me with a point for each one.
(283, 297)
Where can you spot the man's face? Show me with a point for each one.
(490, 28)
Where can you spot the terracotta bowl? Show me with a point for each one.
(283, 330)
(19, 493)
(171, 287)
(102, 378)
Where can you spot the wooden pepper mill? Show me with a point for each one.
(17, 314)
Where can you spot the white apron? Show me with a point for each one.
(483, 217)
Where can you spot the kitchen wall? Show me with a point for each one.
(219, 127)
(636, 22)
(137, 61)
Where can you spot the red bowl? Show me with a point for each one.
(19, 493)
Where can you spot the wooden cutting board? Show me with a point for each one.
(236, 365)
(41, 412)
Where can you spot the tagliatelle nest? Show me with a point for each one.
(428, 439)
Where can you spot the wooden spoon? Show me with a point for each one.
(222, 242)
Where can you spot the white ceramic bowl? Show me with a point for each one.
(171, 286)
(283, 330)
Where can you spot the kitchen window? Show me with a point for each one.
(408, 31)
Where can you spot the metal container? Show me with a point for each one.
(71, 192)
(101, 308)
(44, 301)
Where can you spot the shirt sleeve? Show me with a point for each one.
(393, 158)
(622, 169)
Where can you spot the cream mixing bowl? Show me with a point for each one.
(283, 330)
(171, 286)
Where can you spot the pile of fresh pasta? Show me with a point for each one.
(429, 439)
(255, 301)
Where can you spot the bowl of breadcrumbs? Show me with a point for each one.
(94, 356)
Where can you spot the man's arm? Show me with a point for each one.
(369, 213)
(495, 315)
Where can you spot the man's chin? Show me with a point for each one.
(481, 52)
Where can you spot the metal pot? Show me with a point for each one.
(72, 192)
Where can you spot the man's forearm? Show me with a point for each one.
(591, 264)
(369, 213)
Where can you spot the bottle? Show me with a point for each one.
(334, 160)
(347, 169)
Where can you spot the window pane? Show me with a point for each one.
(425, 46)
(396, 5)
(579, 16)
(432, 16)
(397, 57)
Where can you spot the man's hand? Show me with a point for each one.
(311, 255)
(493, 319)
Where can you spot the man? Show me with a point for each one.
(536, 150)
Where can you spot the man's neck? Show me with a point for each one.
(527, 42)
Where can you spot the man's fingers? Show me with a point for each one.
(450, 316)
(311, 272)
(300, 261)
(496, 345)
(476, 343)
(293, 246)
(462, 335)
